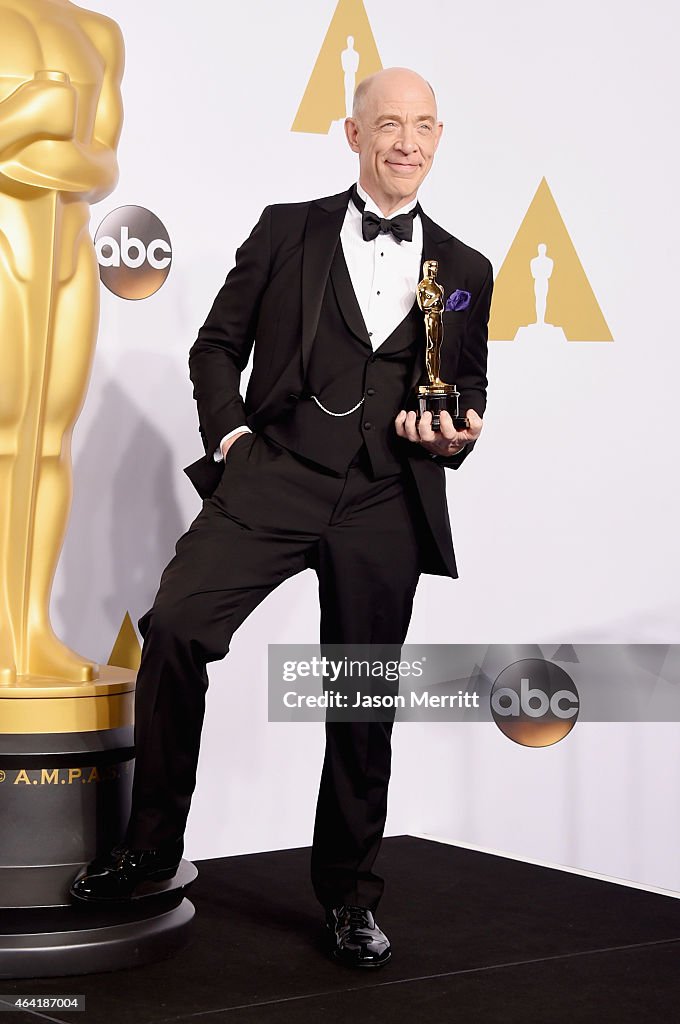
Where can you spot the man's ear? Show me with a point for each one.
(439, 129)
(352, 133)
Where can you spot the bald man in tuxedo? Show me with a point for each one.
(322, 465)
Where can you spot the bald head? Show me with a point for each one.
(388, 81)
(395, 133)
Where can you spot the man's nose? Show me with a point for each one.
(407, 143)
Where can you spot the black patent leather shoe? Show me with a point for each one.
(118, 876)
(358, 940)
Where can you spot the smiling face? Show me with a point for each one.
(395, 131)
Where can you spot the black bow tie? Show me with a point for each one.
(372, 225)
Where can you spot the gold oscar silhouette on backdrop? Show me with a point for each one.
(60, 121)
(348, 54)
(522, 296)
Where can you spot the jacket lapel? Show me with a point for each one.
(347, 298)
(322, 235)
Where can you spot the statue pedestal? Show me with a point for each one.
(66, 765)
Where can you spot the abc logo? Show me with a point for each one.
(133, 251)
(534, 702)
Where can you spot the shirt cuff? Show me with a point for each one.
(217, 454)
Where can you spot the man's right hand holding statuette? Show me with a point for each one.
(447, 441)
(434, 427)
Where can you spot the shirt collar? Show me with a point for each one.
(374, 208)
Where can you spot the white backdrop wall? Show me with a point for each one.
(565, 520)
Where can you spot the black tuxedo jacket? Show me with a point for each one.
(272, 299)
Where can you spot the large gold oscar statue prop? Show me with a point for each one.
(66, 744)
(60, 120)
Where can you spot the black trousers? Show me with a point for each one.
(272, 516)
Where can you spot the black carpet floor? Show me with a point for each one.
(475, 938)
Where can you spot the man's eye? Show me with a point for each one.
(389, 124)
(425, 127)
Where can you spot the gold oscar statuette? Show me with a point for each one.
(60, 122)
(435, 395)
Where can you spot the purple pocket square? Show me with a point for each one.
(457, 300)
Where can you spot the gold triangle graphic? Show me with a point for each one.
(127, 651)
(571, 302)
(324, 98)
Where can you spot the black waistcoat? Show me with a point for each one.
(343, 368)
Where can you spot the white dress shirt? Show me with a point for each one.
(384, 274)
